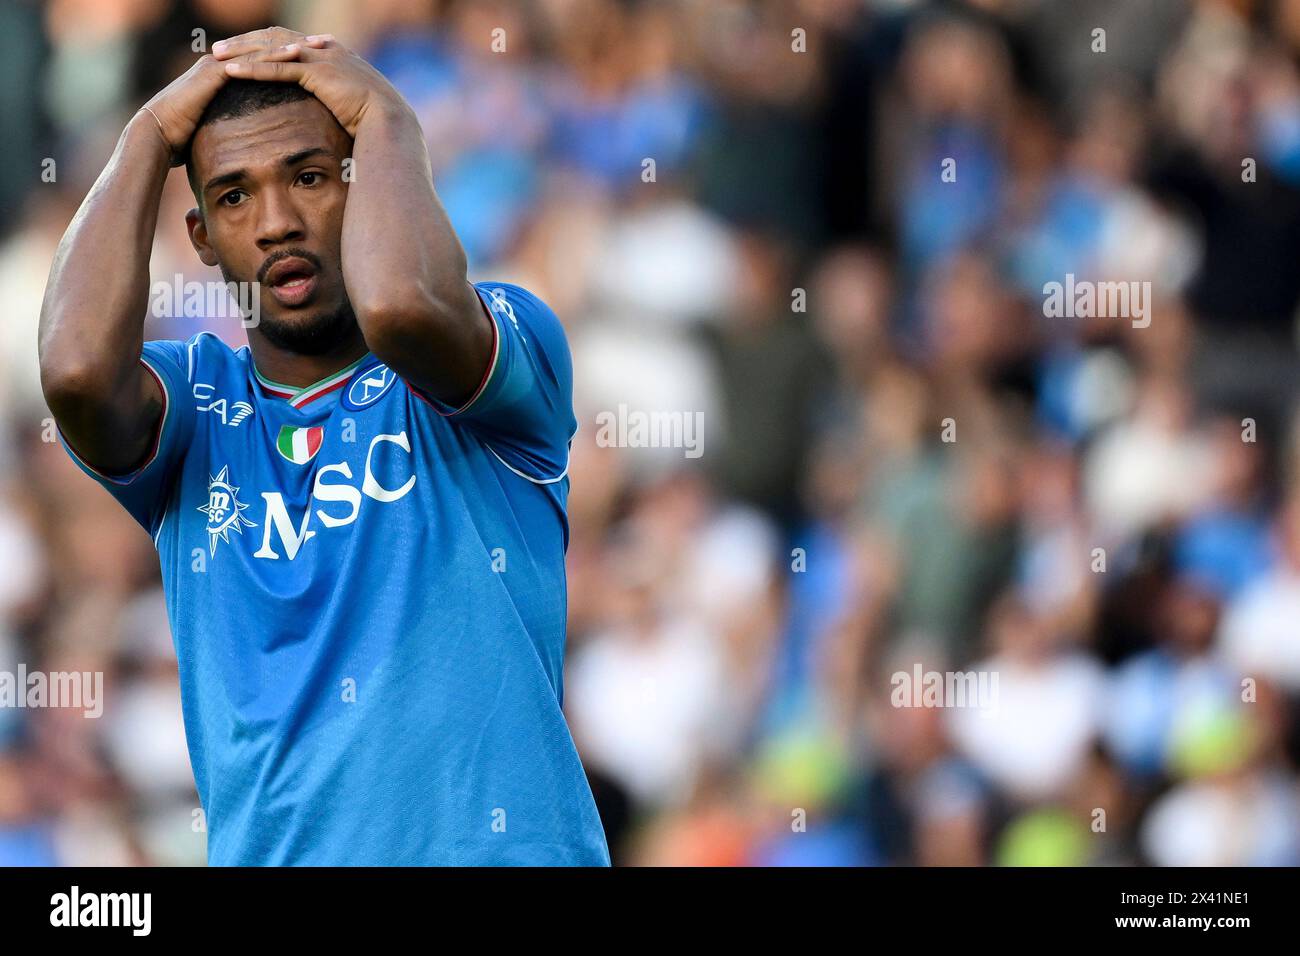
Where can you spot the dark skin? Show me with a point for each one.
(268, 183)
(383, 243)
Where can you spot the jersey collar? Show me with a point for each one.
(298, 397)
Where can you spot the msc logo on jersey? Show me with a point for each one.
(224, 510)
(340, 496)
(368, 387)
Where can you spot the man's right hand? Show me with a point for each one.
(179, 106)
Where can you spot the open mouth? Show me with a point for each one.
(292, 281)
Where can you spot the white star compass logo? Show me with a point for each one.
(224, 510)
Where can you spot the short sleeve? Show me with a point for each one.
(144, 491)
(523, 409)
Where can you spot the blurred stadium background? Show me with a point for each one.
(721, 683)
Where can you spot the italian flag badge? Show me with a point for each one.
(299, 445)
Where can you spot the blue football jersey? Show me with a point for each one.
(366, 592)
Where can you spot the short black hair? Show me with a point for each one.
(238, 98)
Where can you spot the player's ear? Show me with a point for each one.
(198, 230)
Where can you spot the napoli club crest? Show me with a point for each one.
(368, 386)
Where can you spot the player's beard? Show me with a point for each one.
(316, 335)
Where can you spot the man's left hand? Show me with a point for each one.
(346, 84)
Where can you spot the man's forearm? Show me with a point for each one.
(92, 318)
(397, 240)
(403, 265)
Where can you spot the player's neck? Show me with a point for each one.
(299, 371)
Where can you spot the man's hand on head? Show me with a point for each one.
(263, 42)
(179, 106)
(345, 83)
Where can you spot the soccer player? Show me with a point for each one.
(360, 515)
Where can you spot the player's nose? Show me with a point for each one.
(278, 222)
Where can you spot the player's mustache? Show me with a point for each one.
(280, 254)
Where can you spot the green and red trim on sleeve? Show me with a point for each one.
(441, 407)
(126, 479)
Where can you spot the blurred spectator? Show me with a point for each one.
(823, 231)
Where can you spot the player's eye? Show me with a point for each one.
(310, 177)
(232, 198)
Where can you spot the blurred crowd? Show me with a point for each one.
(825, 227)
